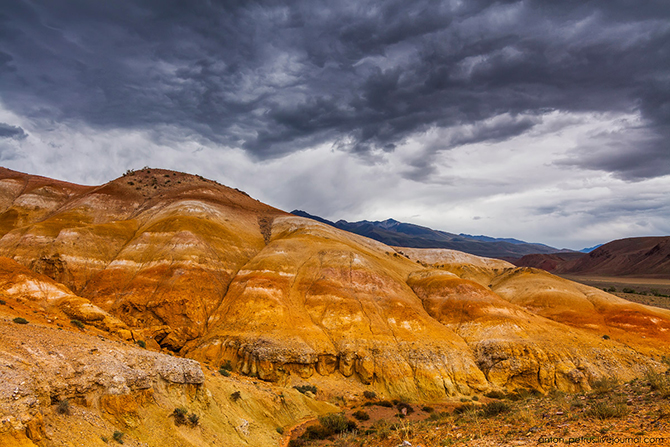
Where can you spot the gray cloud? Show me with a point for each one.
(9, 131)
(276, 77)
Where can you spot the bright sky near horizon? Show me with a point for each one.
(539, 120)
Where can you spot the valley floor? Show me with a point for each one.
(649, 291)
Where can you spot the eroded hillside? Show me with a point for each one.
(194, 268)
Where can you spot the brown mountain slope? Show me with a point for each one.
(554, 262)
(636, 257)
(210, 273)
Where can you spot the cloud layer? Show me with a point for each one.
(431, 94)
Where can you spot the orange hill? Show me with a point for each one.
(205, 271)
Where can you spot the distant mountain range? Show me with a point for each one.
(635, 256)
(400, 234)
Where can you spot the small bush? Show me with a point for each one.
(495, 408)
(602, 410)
(224, 372)
(3, 302)
(19, 320)
(604, 385)
(315, 432)
(606, 337)
(404, 406)
(337, 422)
(236, 396)
(475, 398)
(361, 415)
(495, 395)
(296, 443)
(63, 407)
(384, 403)
(142, 344)
(194, 419)
(464, 399)
(78, 324)
(628, 290)
(427, 409)
(118, 436)
(464, 408)
(369, 394)
(304, 388)
(104, 439)
(179, 415)
(657, 382)
(227, 366)
(280, 430)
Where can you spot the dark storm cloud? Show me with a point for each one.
(15, 132)
(276, 77)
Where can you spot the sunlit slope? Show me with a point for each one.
(206, 271)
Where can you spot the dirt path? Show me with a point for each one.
(289, 433)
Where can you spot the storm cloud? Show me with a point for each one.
(368, 79)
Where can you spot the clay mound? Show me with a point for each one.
(637, 257)
(207, 272)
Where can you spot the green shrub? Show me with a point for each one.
(304, 388)
(628, 290)
(142, 343)
(657, 382)
(495, 408)
(63, 407)
(361, 415)
(427, 409)
(19, 320)
(475, 398)
(104, 439)
(296, 443)
(224, 372)
(280, 430)
(118, 436)
(3, 302)
(236, 396)
(369, 394)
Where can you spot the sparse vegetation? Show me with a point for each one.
(20, 320)
(179, 415)
(361, 415)
(384, 403)
(142, 344)
(304, 388)
(78, 324)
(118, 436)
(236, 396)
(224, 372)
(194, 419)
(104, 439)
(227, 366)
(280, 430)
(495, 395)
(604, 385)
(3, 302)
(63, 407)
(369, 394)
(603, 410)
(494, 408)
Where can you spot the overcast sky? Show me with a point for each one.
(541, 120)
